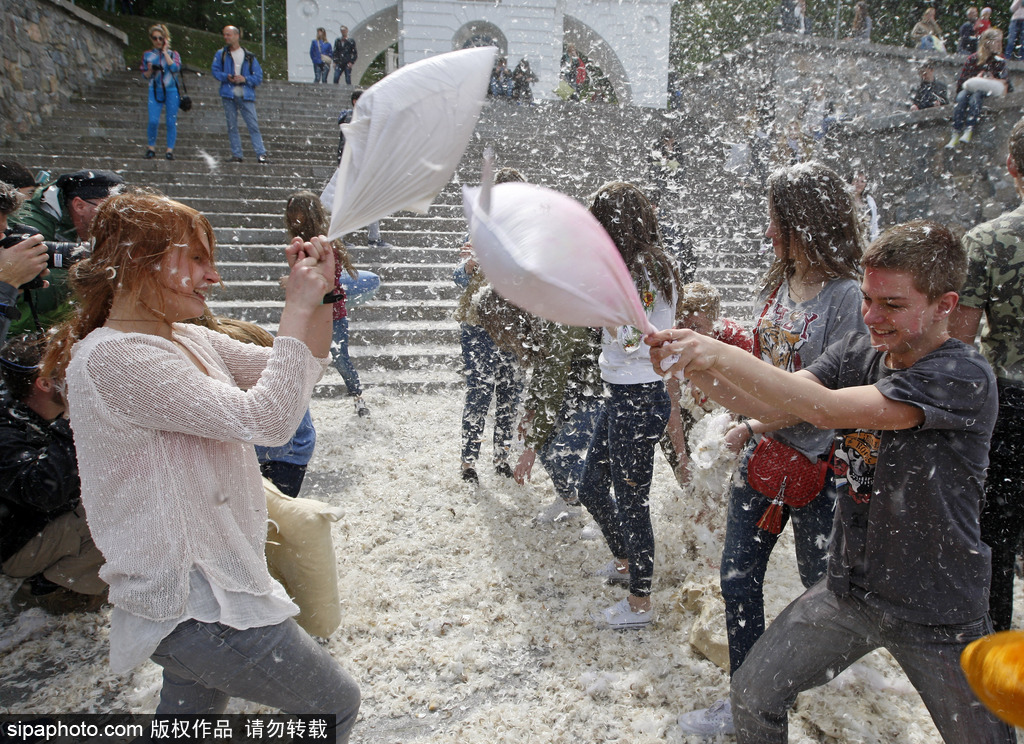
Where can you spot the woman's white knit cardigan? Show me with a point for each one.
(169, 475)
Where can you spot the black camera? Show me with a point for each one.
(58, 255)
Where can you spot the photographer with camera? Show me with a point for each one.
(44, 537)
(160, 66)
(62, 211)
(20, 263)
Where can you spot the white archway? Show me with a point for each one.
(373, 36)
(590, 44)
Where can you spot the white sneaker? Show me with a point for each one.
(621, 617)
(558, 511)
(612, 574)
(714, 720)
(967, 136)
(953, 141)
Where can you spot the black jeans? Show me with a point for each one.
(1002, 519)
(621, 456)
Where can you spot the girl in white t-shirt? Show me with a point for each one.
(165, 417)
(636, 407)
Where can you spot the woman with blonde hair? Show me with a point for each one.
(927, 33)
(165, 415)
(160, 66)
(861, 22)
(988, 65)
(320, 52)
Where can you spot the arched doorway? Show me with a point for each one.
(478, 34)
(590, 43)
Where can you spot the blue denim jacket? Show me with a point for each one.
(224, 65)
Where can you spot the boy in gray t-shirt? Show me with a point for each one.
(908, 570)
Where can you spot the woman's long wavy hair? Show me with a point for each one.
(133, 233)
(305, 217)
(984, 54)
(629, 218)
(814, 212)
(512, 329)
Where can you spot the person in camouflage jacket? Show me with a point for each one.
(995, 289)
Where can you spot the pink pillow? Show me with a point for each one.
(547, 254)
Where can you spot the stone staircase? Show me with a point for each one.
(405, 336)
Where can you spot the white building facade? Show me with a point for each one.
(627, 39)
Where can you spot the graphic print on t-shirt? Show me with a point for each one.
(856, 456)
(630, 337)
(781, 332)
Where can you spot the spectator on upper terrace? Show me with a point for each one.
(161, 66)
(968, 40)
(522, 79)
(239, 73)
(501, 79)
(793, 17)
(861, 23)
(984, 22)
(320, 54)
(974, 86)
(927, 34)
(345, 56)
(574, 70)
(1015, 34)
(929, 92)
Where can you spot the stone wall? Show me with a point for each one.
(50, 50)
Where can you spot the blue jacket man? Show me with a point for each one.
(238, 92)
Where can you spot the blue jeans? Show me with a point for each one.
(968, 107)
(1015, 40)
(232, 107)
(338, 69)
(820, 634)
(358, 291)
(206, 664)
(747, 550)
(621, 455)
(287, 476)
(342, 361)
(171, 101)
(320, 73)
(564, 454)
(489, 372)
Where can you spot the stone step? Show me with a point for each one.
(406, 381)
(270, 271)
(275, 220)
(397, 311)
(362, 255)
(410, 238)
(413, 291)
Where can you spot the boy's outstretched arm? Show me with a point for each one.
(799, 394)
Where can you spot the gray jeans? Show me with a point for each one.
(280, 666)
(820, 634)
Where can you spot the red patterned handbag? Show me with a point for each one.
(785, 476)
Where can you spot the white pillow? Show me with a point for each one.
(987, 85)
